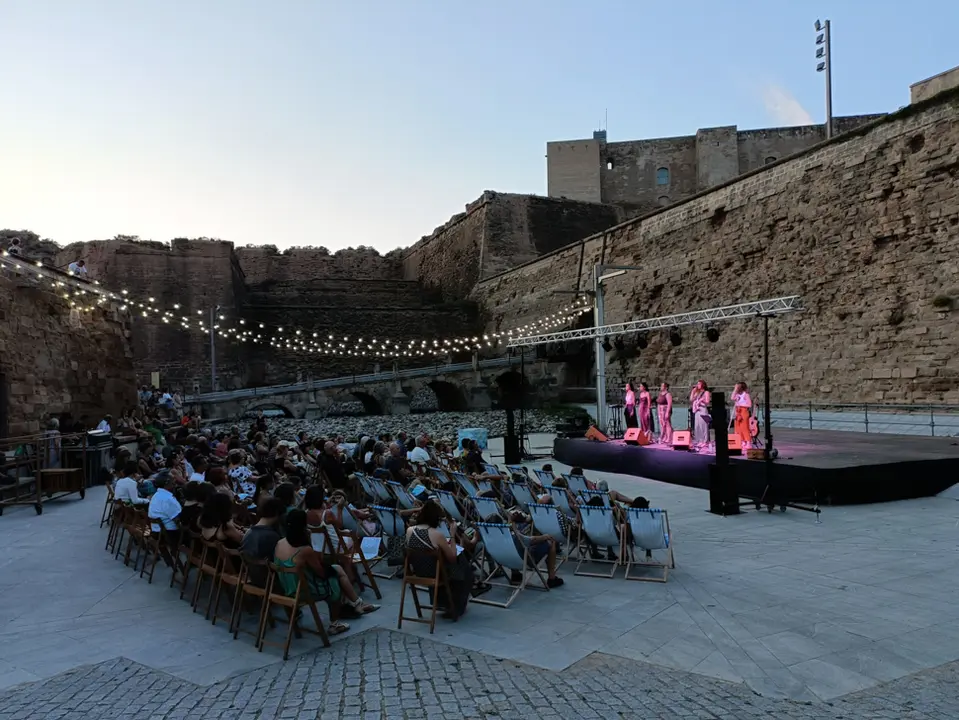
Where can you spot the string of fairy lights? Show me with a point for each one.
(85, 297)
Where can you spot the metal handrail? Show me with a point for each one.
(347, 381)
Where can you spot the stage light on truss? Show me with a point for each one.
(675, 337)
(607, 346)
(619, 344)
(642, 342)
(712, 334)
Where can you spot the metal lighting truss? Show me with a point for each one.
(756, 308)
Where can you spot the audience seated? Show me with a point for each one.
(425, 535)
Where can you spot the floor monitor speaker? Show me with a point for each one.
(594, 434)
(635, 436)
(681, 440)
(735, 445)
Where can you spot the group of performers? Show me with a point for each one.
(638, 408)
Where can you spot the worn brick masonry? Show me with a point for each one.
(864, 227)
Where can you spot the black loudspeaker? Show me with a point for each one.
(723, 493)
(511, 453)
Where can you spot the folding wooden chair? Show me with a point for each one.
(403, 496)
(485, 507)
(464, 483)
(155, 542)
(108, 506)
(137, 528)
(255, 580)
(190, 556)
(229, 577)
(561, 500)
(209, 567)
(431, 584)
(503, 555)
(586, 495)
(117, 526)
(648, 531)
(545, 477)
(599, 524)
(521, 493)
(292, 605)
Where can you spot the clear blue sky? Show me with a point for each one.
(314, 122)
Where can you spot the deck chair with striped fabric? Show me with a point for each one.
(561, 500)
(448, 503)
(599, 524)
(577, 483)
(521, 493)
(403, 496)
(587, 495)
(381, 493)
(545, 477)
(648, 530)
(502, 554)
(518, 470)
(440, 474)
(483, 485)
(546, 522)
(487, 506)
(491, 469)
(394, 526)
(465, 483)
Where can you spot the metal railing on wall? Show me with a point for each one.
(349, 380)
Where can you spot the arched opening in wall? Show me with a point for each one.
(270, 410)
(370, 405)
(662, 200)
(609, 164)
(449, 397)
(662, 176)
(769, 160)
(424, 400)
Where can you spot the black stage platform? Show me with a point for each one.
(836, 468)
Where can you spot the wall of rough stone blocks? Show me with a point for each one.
(197, 275)
(266, 263)
(865, 228)
(52, 367)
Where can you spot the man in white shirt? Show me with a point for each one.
(78, 268)
(165, 508)
(126, 488)
(419, 453)
(104, 425)
(199, 469)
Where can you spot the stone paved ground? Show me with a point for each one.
(383, 674)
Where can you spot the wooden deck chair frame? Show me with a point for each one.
(381, 489)
(490, 469)
(546, 523)
(292, 605)
(495, 537)
(417, 583)
(484, 486)
(643, 523)
(602, 520)
(561, 500)
(351, 529)
(440, 474)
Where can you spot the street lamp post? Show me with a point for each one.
(824, 56)
(601, 273)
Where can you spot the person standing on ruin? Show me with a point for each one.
(78, 268)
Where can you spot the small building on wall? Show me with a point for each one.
(640, 175)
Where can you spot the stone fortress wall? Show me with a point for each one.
(640, 175)
(864, 227)
(50, 365)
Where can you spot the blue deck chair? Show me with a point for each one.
(649, 531)
(448, 502)
(577, 483)
(599, 524)
(546, 522)
(503, 555)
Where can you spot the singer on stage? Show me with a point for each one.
(629, 402)
(699, 400)
(744, 404)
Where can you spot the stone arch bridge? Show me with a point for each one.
(457, 387)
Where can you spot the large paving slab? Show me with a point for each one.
(774, 604)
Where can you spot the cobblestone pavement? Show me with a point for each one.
(382, 674)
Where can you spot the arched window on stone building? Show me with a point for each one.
(609, 164)
(662, 200)
(662, 176)
(770, 160)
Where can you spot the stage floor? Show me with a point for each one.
(828, 466)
